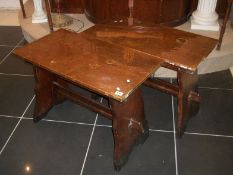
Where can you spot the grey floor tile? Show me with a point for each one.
(24, 42)
(67, 111)
(205, 155)
(6, 127)
(155, 156)
(48, 148)
(15, 94)
(222, 79)
(215, 115)
(101, 119)
(4, 51)
(10, 35)
(158, 109)
(15, 65)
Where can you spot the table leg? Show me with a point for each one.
(223, 28)
(129, 126)
(188, 99)
(46, 95)
(49, 16)
(22, 8)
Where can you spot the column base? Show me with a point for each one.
(39, 19)
(211, 27)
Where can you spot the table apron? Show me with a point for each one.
(83, 101)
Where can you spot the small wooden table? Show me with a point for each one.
(178, 50)
(64, 58)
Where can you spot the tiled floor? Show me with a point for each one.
(73, 140)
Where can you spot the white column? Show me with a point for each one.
(231, 69)
(205, 17)
(39, 15)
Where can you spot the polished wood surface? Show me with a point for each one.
(174, 47)
(129, 124)
(22, 8)
(50, 22)
(66, 6)
(221, 7)
(168, 12)
(107, 69)
(88, 7)
(178, 50)
(64, 58)
(113, 64)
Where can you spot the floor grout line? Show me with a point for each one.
(110, 126)
(9, 116)
(160, 130)
(107, 126)
(67, 122)
(3, 45)
(212, 88)
(89, 144)
(4, 146)
(11, 51)
(22, 75)
(212, 135)
(174, 131)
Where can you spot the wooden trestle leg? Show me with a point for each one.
(188, 99)
(129, 126)
(46, 95)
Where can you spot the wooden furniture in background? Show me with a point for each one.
(22, 8)
(66, 6)
(223, 28)
(167, 12)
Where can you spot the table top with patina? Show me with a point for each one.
(175, 48)
(107, 69)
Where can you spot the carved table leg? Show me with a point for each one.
(129, 126)
(188, 99)
(46, 95)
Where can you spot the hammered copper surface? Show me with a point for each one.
(174, 47)
(107, 69)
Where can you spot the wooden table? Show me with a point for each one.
(177, 50)
(116, 72)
